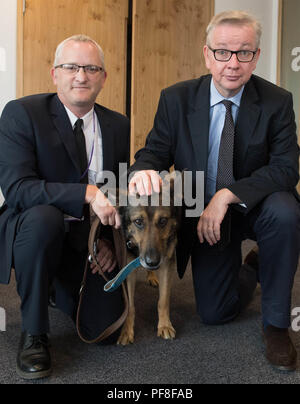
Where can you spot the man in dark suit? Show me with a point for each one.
(54, 149)
(240, 131)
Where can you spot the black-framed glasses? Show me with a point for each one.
(224, 55)
(72, 68)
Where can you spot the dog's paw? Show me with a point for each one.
(126, 338)
(166, 332)
(152, 279)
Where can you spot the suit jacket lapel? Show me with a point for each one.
(248, 116)
(108, 141)
(63, 125)
(198, 121)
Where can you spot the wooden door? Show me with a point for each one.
(168, 37)
(42, 25)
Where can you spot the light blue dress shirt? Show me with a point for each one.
(217, 120)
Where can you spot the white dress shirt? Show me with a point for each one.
(93, 141)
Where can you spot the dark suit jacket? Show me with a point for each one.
(266, 151)
(39, 163)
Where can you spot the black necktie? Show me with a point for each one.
(225, 171)
(225, 162)
(81, 148)
(79, 230)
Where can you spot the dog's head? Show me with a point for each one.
(151, 231)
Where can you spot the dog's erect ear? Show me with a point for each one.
(173, 183)
(124, 199)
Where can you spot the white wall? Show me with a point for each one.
(267, 12)
(8, 46)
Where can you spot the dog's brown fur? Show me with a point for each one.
(151, 233)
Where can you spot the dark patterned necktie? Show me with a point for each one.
(81, 148)
(225, 162)
(225, 171)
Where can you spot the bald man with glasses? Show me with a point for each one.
(240, 131)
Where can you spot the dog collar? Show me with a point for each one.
(112, 285)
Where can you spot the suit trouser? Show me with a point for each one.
(42, 251)
(219, 279)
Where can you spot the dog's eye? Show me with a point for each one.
(139, 223)
(163, 222)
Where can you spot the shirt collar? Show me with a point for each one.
(86, 118)
(216, 97)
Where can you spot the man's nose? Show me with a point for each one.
(234, 62)
(81, 74)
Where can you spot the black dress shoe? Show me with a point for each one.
(280, 350)
(33, 361)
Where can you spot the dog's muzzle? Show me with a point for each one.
(151, 262)
(152, 259)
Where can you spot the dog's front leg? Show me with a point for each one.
(165, 275)
(152, 279)
(127, 333)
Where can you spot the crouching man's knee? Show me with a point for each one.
(42, 222)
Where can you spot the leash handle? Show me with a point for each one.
(113, 284)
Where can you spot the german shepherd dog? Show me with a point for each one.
(151, 234)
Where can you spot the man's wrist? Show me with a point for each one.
(91, 192)
(228, 197)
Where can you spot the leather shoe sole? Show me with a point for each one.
(33, 375)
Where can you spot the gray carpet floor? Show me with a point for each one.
(229, 354)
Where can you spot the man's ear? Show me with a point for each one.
(53, 75)
(206, 57)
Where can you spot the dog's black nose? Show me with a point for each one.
(152, 259)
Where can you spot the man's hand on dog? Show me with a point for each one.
(107, 214)
(145, 183)
(106, 257)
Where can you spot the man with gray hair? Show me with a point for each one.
(54, 149)
(240, 131)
